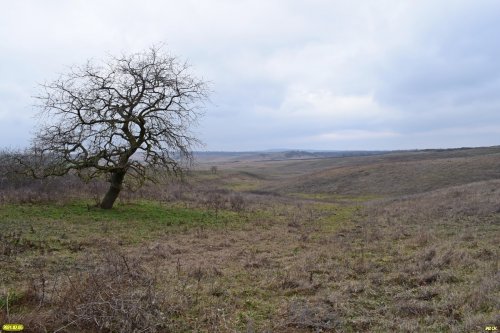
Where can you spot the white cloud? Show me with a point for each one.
(355, 135)
(325, 105)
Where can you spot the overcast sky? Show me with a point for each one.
(306, 74)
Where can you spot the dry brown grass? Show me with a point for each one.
(388, 175)
(417, 263)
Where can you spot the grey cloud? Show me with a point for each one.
(286, 73)
(449, 75)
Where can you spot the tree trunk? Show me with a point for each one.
(114, 189)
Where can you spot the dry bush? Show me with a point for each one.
(316, 316)
(20, 190)
(216, 201)
(16, 187)
(169, 190)
(11, 243)
(14, 243)
(237, 202)
(118, 296)
(114, 293)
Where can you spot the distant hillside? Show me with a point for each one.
(277, 155)
(398, 173)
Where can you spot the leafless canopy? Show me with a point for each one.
(128, 115)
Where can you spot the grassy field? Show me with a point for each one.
(399, 242)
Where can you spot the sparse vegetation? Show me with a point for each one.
(209, 256)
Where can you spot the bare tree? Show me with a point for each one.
(128, 116)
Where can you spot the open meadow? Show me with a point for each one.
(390, 242)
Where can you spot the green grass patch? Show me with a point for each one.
(130, 223)
(335, 216)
